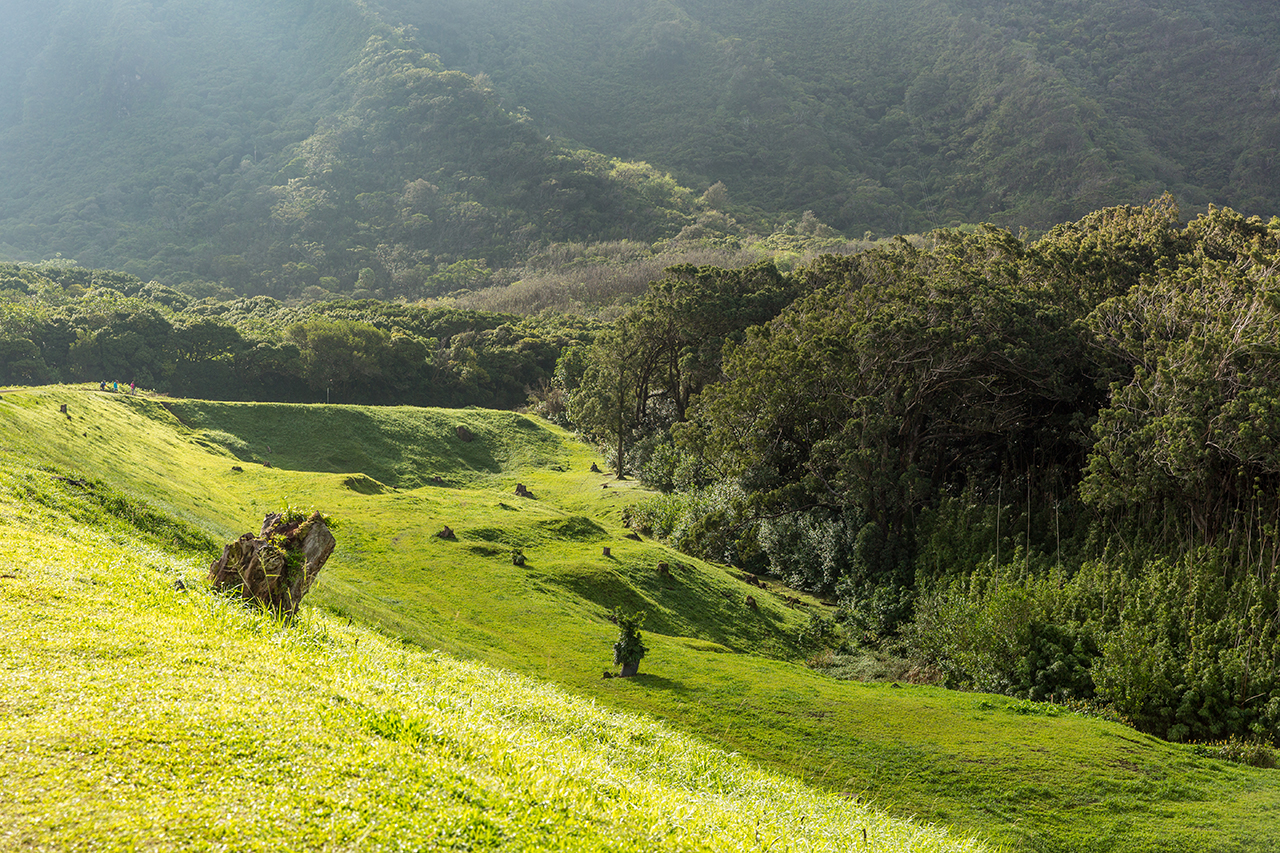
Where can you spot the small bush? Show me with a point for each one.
(630, 647)
(1094, 710)
(821, 634)
(1250, 751)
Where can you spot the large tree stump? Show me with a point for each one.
(276, 567)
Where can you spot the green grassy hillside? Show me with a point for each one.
(138, 716)
(1032, 777)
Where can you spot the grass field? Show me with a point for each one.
(1019, 775)
(141, 716)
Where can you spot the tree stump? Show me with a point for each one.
(277, 567)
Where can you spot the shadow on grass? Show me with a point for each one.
(401, 447)
(659, 682)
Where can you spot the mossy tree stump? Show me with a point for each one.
(277, 567)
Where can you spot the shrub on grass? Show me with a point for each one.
(820, 634)
(630, 647)
(1250, 751)
(709, 523)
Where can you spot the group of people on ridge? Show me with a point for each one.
(115, 387)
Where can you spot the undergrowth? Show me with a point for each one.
(1250, 751)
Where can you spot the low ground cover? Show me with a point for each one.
(1025, 775)
(140, 715)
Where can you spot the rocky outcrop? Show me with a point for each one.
(277, 567)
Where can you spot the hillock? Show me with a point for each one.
(1028, 775)
(145, 713)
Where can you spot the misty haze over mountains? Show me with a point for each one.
(269, 147)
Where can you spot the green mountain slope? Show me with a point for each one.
(344, 147)
(893, 116)
(1034, 777)
(271, 147)
(133, 129)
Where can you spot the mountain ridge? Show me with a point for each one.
(296, 146)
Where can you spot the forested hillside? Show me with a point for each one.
(426, 147)
(899, 116)
(271, 149)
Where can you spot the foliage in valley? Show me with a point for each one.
(1042, 467)
(72, 324)
(1044, 464)
(1046, 468)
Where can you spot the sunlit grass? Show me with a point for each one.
(1031, 777)
(142, 716)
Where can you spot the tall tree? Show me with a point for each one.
(664, 351)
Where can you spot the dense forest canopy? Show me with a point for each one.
(416, 148)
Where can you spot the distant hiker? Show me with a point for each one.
(133, 389)
(115, 386)
(102, 386)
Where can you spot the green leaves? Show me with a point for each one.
(645, 372)
(630, 648)
(902, 370)
(1194, 418)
